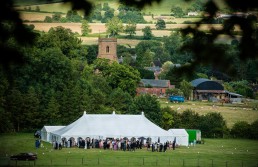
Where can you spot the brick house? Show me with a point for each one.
(154, 87)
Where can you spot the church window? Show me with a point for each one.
(107, 49)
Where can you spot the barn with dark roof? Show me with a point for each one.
(205, 89)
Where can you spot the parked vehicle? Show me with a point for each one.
(176, 98)
(24, 156)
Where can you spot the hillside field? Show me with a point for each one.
(214, 152)
(232, 113)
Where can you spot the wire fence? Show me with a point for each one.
(134, 161)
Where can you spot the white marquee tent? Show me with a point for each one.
(102, 126)
(181, 136)
(45, 132)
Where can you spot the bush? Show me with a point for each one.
(241, 129)
(254, 130)
(212, 125)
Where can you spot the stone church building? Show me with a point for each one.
(108, 49)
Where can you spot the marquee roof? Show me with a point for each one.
(51, 128)
(101, 126)
(181, 135)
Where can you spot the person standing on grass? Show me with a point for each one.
(165, 146)
(174, 144)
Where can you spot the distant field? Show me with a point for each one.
(232, 113)
(62, 7)
(33, 16)
(53, 7)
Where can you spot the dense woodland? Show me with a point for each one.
(62, 78)
(58, 78)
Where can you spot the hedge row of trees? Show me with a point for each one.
(71, 16)
(103, 14)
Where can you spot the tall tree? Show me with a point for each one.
(52, 111)
(212, 125)
(146, 48)
(130, 28)
(161, 24)
(166, 68)
(177, 11)
(120, 100)
(14, 106)
(85, 28)
(73, 16)
(31, 112)
(114, 26)
(124, 77)
(62, 38)
(189, 119)
(167, 118)
(186, 88)
(147, 33)
(6, 124)
(147, 59)
(109, 14)
(149, 105)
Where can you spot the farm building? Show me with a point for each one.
(102, 126)
(205, 89)
(154, 87)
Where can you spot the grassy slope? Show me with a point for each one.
(232, 113)
(219, 150)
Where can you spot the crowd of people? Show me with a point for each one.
(123, 144)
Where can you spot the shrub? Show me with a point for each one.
(241, 129)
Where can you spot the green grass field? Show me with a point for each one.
(214, 152)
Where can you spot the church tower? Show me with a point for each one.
(107, 49)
